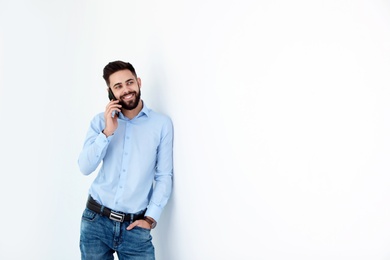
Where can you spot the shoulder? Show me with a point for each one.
(98, 119)
(160, 120)
(159, 117)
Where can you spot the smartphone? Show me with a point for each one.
(112, 97)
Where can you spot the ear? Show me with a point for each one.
(139, 82)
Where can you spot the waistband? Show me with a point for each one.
(112, 214)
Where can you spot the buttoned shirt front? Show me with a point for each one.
(136, 162)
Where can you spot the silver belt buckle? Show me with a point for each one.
(117, 216)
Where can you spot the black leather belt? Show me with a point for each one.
(111, 214)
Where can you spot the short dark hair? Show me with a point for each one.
(115, 66)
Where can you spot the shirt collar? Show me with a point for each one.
(144, 111)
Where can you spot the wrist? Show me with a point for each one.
(151, 222)
(107, 133)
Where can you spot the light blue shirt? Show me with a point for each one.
(137, 165)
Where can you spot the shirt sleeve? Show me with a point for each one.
(164, 173)
(95, 147)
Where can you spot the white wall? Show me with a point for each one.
(281, 112)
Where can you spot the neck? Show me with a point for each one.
(134, 112)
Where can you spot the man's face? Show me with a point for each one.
(126, 88)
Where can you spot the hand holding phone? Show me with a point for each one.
(112, 97)
(111, 110)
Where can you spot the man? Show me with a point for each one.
(134, 182)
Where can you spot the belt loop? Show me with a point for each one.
(101, 210)
(131, 217)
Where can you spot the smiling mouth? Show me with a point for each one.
(128, 96)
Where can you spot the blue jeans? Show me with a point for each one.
(100, 237)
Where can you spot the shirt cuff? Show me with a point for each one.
(153, 211)
(102, 140)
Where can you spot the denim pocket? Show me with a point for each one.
(143, 229)
(89, 215)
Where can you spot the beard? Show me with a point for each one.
(130, 105)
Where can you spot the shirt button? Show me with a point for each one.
(127, 137)
(123, 170)
(126, 153)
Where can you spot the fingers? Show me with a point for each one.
(139, 223)
(132, 225)
(112, 107)
(111, 116)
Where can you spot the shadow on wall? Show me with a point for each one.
(162, 235)
(156, 84)
(156, 95)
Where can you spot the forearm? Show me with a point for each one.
(164, 174)
(161, 194)
(93, 152)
